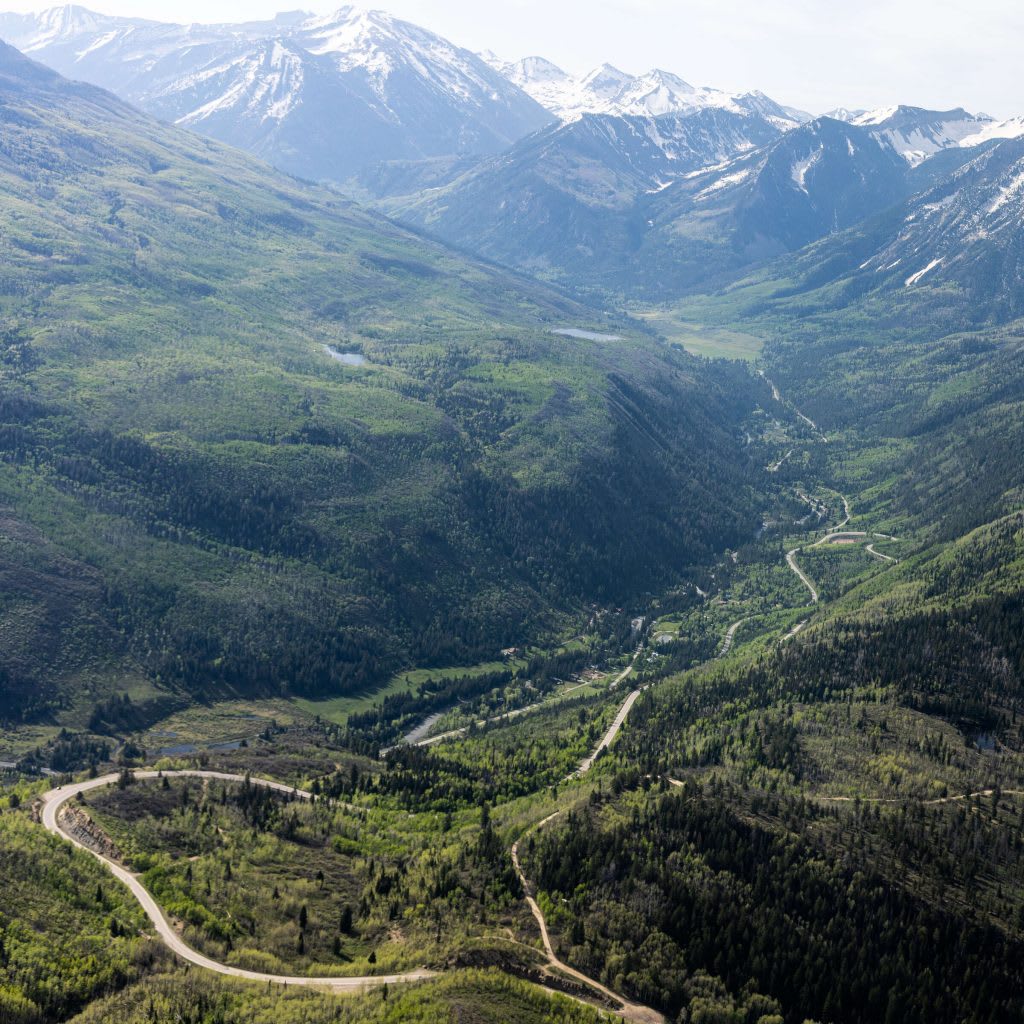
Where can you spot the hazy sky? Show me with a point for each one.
(815, 54)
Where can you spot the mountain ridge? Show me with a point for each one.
(607, 90)
(741, 197)
(395, 90)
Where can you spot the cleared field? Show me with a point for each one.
(337, 709)
(713, 342)
(210, 723)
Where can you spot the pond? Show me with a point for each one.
(573, 332)
(348, 358)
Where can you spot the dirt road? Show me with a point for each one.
(55, 799)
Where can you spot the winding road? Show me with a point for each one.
(791, 562)
(776, 394)
(837, 536)
(55, 799)
(634, 1012)
(833, 533)
(793, 632)
(870, 549)
(905, 800)
(630, 1011)
(505, 716)
(890, 799)
(613, 730)
(730, 635)
(609, 737)
(833, 536)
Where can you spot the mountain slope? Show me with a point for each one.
(257, 440)
(570, 201)
(917, 134)
(966, 232)
(318, 96)
(903, 335)
(958, 242)
(654, 208)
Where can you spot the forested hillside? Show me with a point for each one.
(396, 638)
(256, 440)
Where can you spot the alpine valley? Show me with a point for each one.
(485, 543)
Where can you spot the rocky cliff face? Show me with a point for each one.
(75, 821)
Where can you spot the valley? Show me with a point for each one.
(609, 695)
(481, 542)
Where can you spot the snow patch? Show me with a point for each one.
(1010, 192)
(737, 178)
(1011, 129)
(914, 278)
(874, 117)
(802, 168)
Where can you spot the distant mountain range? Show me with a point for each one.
(325, 97)
(571, 201)
(964, 233)
(319, 97)
(644, 185)
(597, 203)
(607, 90)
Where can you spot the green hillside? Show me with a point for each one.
(199, 495)
(282, 482)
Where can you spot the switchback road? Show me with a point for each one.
(55, 799)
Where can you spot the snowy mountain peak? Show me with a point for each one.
(668, 79)
(57, 26)
(535, 69)
(349, 29)
(69, 19)
(844, 114)
(606, 81)
(916, 134)
(609, 90)
(875, 117)
(321, 95)
(379, 45)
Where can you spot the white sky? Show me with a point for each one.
(815, 54)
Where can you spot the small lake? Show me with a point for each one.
(348, 358)
(573, 332)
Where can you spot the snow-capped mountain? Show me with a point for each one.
(662, 205)
(844, 114)
(570, 201)
(1012, 128)
(822, 177)
(968, 230)
(321, 96)
(961, 236)
(916, 134)
(607, 90)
